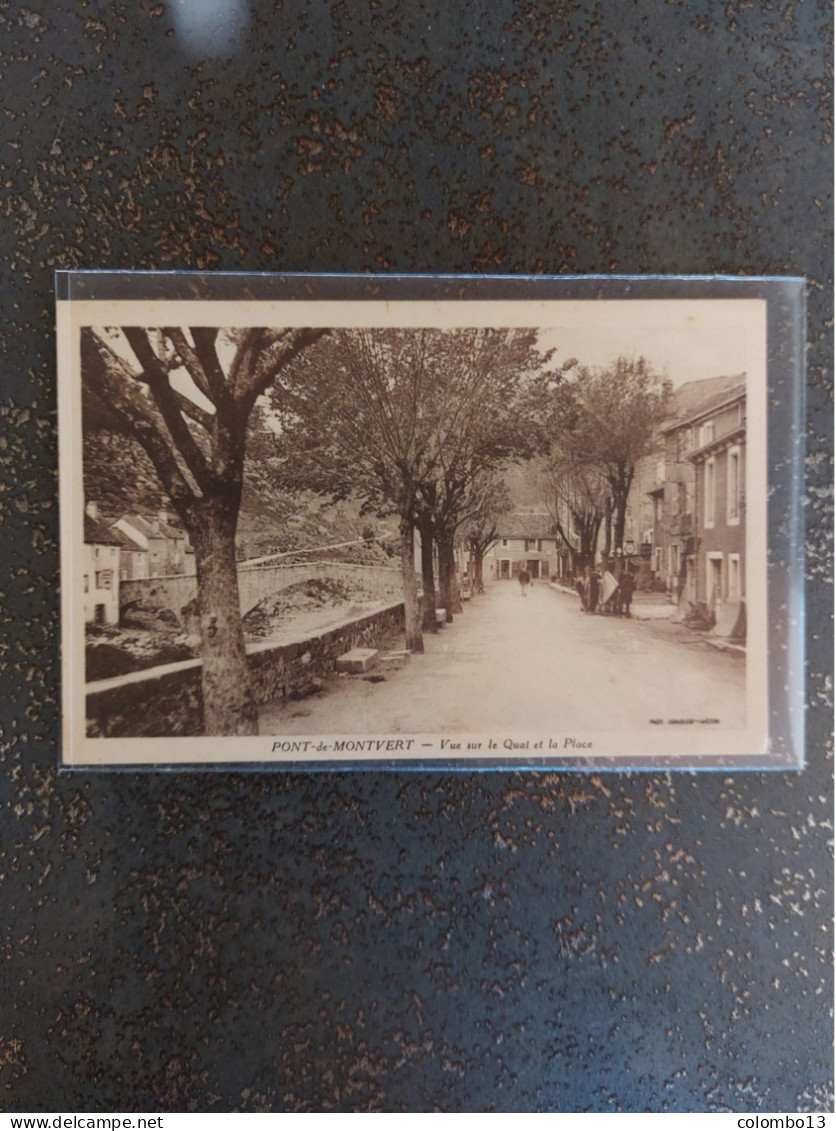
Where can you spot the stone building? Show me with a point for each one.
(523, 538)
(166, 545)
(101, 572)
(718, 453)
(697, 410)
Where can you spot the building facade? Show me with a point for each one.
(166, 547)
(101, 573)
(700, 409)
(525, 539)
(718, 454)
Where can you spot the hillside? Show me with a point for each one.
(119, 477)
(523, 483)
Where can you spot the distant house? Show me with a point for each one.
(166, 545)
(640, 511)
(524, 539)
(101, 572)
(133, 558)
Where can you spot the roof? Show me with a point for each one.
(141, 524)
(151, 526)
(696, 398)
(126, 542)
(525, 524)
(98, 532)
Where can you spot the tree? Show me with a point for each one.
(482, 527)
(605, 421)
(355, 422)
(133, 381)
(578, 501)
(404, 419)
(490, 379)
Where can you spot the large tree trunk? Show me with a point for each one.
(446, 575)
(608, 530)
(425, 527)
(589, 529)
(456, 582)
(228, 706)
(621, 493)
(620, 519)
(478, 569)
(414, 639)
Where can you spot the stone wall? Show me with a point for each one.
(167, 702)
(255, 583)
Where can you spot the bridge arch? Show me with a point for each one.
(177, 591)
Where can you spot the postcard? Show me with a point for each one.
(390, 522)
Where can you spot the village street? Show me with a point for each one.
(529, 664)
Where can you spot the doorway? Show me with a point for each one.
(714, 580)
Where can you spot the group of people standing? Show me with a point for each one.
(601, 591)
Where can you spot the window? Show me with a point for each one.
(733, 487)
(86, 583)
(706, 433)
(504, 541)
(104, 579)
(710, 488)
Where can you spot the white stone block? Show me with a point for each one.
(357, 660)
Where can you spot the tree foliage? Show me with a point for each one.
(492, 502)
(406, 419)
(603, 422)
(577, 499)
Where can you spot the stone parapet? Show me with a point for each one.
(167, 702)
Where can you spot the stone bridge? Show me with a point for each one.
(255, 583)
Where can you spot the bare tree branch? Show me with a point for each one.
(190, 359)
(157, 379)
(105, 375)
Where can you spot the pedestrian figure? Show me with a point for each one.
(525, 579)
(579, 589)
(628, 585)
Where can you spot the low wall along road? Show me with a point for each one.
(166, 701)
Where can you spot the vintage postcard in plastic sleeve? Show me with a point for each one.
(323, 522)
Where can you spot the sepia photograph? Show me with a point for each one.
(459, 532)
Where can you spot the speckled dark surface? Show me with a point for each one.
(416, 942)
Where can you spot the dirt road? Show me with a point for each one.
(527, 664)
